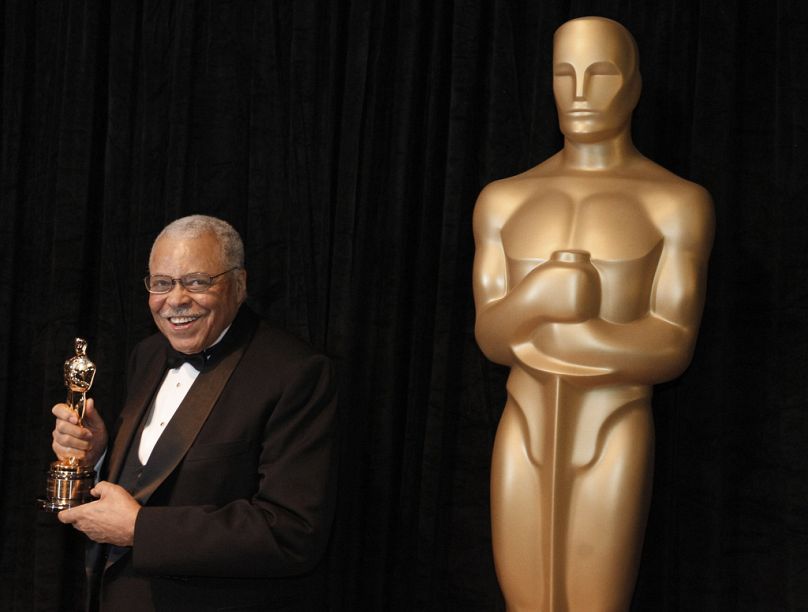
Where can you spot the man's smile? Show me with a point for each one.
(182, 321)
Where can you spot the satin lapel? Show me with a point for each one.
(186, 423)
(132, 413)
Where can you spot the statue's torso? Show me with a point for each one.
(613, 219)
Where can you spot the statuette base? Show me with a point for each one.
(67, 486)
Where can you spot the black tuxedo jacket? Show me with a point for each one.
(238, 494)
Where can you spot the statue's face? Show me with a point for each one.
(595, 80)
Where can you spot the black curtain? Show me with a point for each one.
(347, 142)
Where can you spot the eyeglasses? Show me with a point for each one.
(196, 282)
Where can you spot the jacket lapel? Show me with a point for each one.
(185, 424)
(137, 403)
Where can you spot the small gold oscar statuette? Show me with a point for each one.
(69, 481)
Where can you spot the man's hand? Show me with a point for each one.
(85, 443)
(108, 520)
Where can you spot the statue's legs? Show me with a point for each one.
(608, 510)
(570, 485)
(516, 515)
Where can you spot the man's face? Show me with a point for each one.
(193, 321)
(595, 90)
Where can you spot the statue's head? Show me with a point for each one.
(596, 78)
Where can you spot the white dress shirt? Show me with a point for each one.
(173, 390)
(175, 386)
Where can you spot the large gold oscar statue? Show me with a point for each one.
(589, 282)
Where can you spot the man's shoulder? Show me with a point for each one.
(271, 338)
(275, 358)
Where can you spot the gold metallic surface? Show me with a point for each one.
(79, 374)
(68, 482)
(589, 282)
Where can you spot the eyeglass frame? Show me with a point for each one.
(185, 278)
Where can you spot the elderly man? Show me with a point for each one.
(219, 484)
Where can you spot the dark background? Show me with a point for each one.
(347, 142)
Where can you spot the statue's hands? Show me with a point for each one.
(108, 520)
(86, 443)
(562, 292)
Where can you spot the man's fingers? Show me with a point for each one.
(74, 438)
(63, 413)
(65, 516)
(67, 427)
(84, 442)
(101, 488)
(72, 431)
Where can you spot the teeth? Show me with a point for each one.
(181, 320)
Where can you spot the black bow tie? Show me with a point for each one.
(176, 359)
